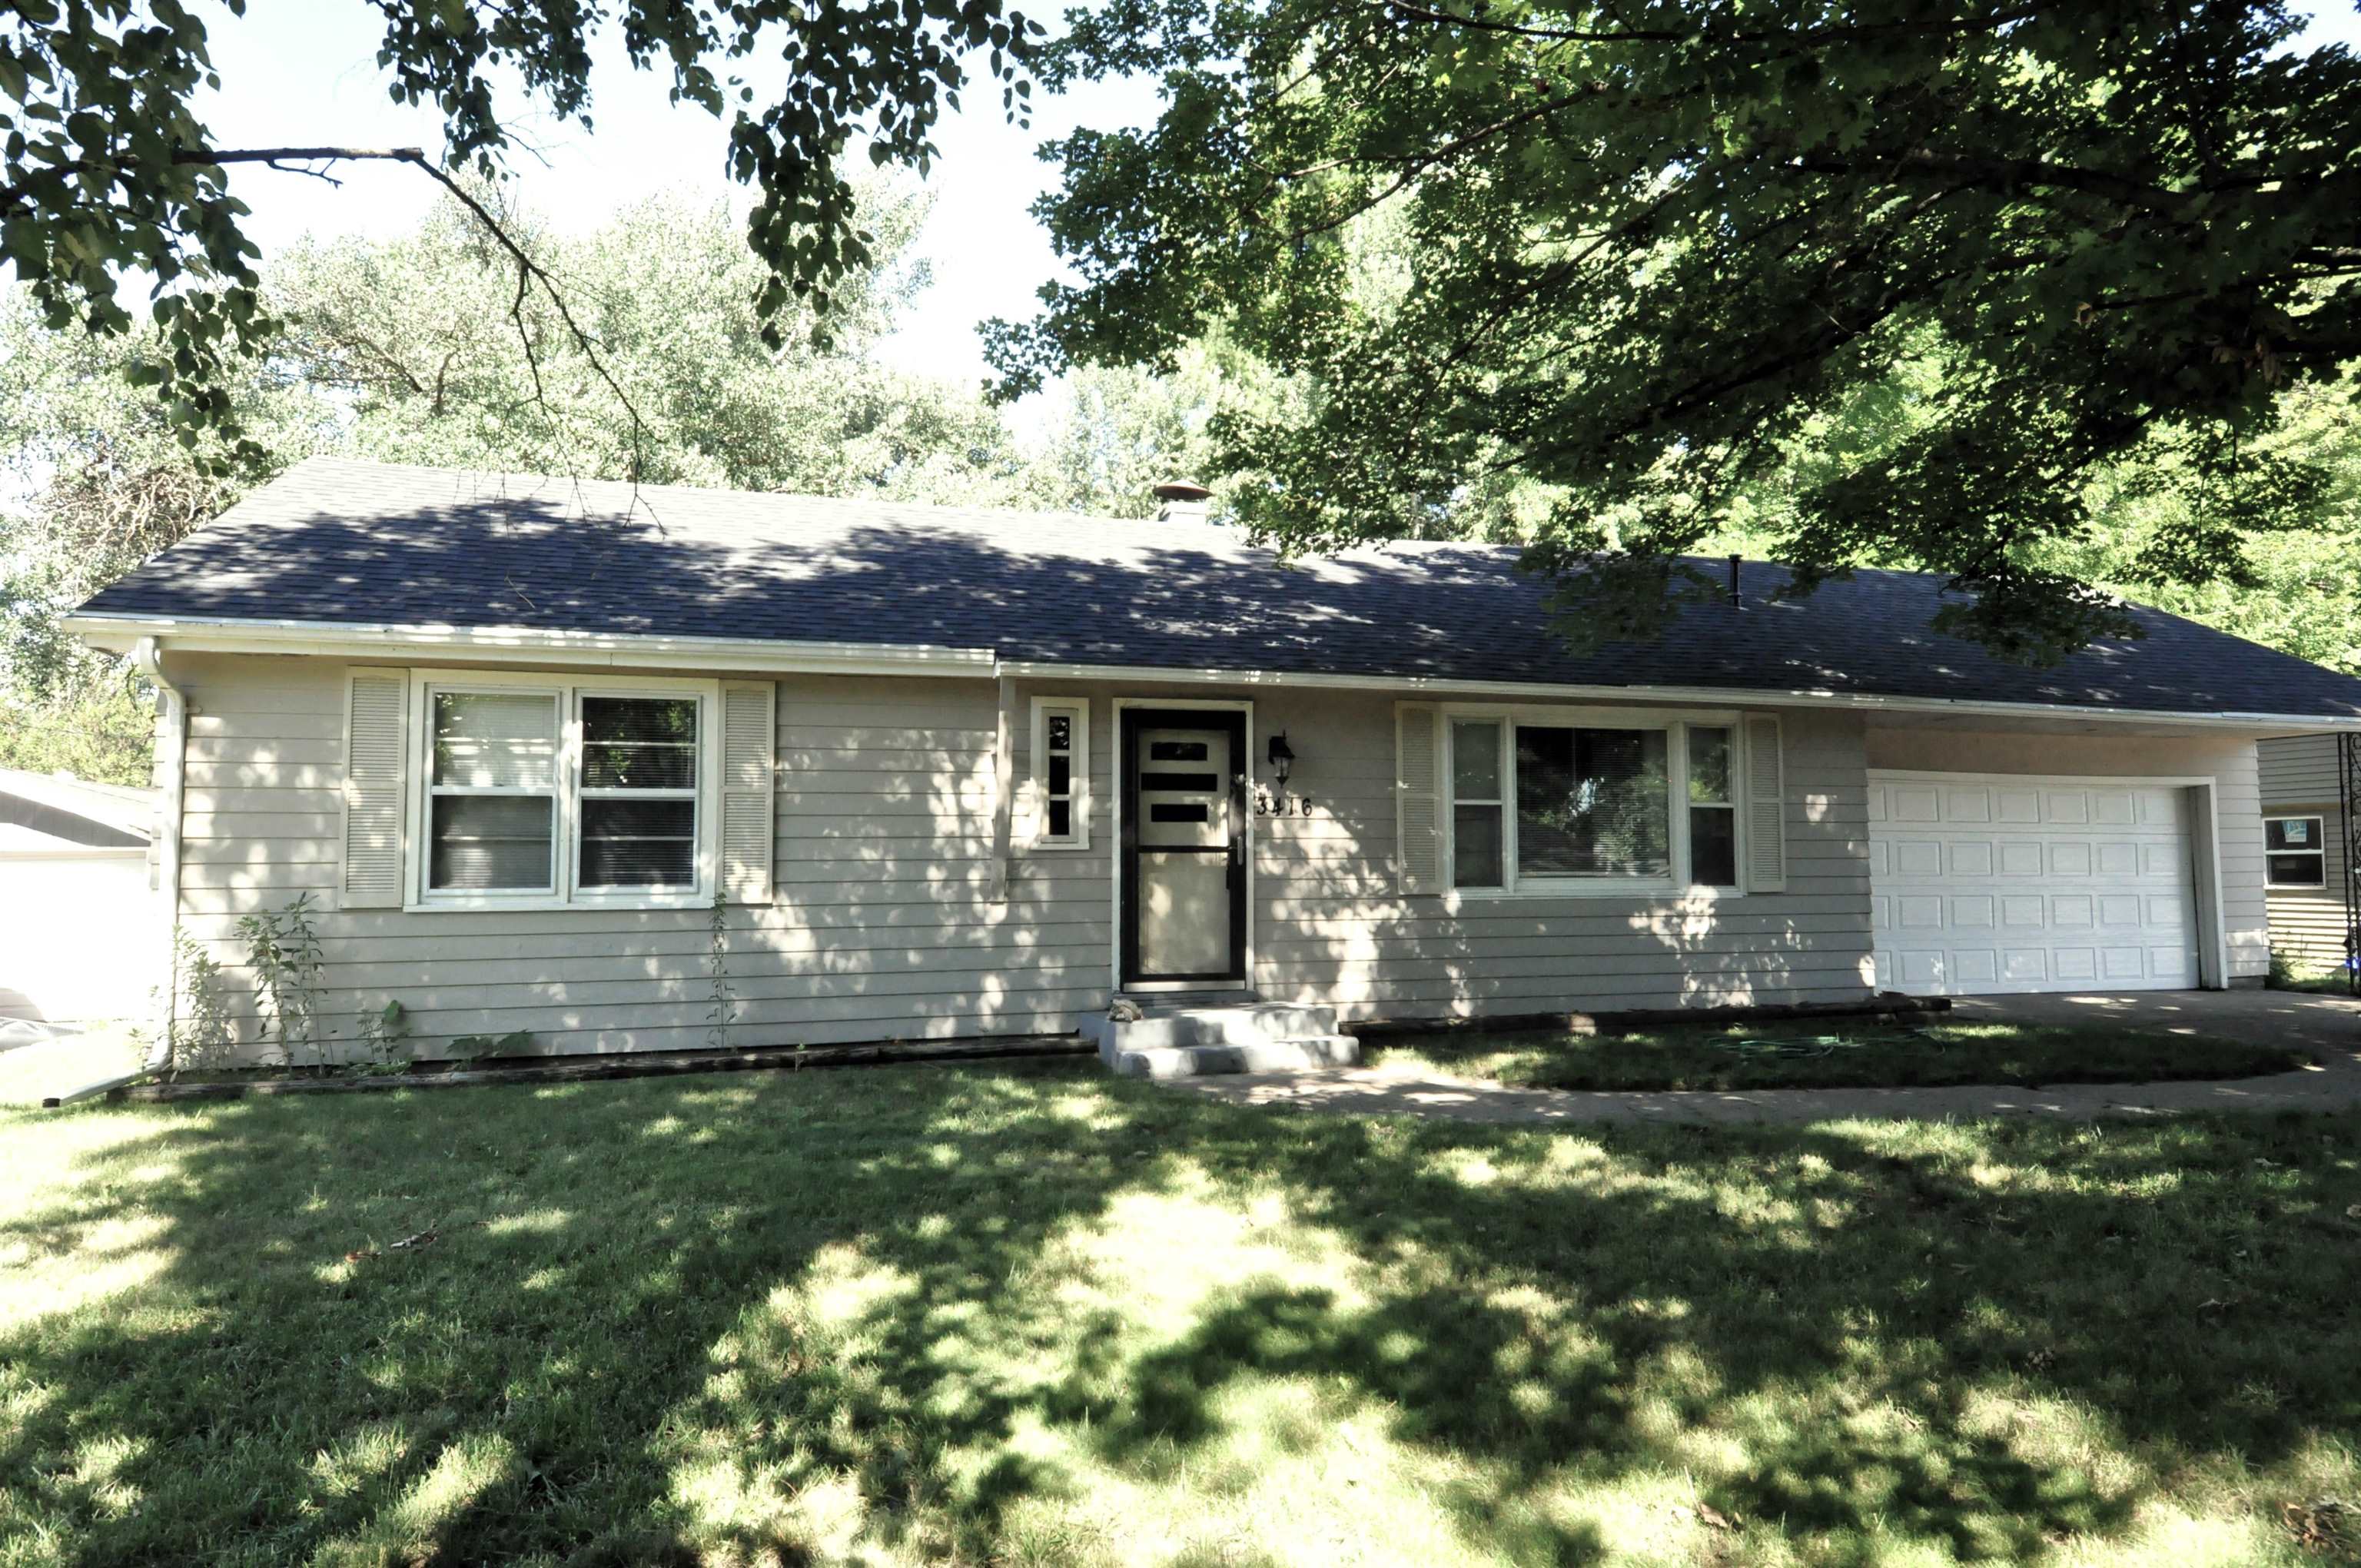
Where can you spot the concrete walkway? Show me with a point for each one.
(2330, 1025)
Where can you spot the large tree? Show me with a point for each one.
(414, 336)
(1653, 242)
(107, 171)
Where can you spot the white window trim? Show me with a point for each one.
(419, 898)
(1077, 778)
(1675, 722)
(2319, 838)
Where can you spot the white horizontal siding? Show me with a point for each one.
(2297, 770)
(885, 924)
(1332, 926)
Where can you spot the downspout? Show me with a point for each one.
(172, 749)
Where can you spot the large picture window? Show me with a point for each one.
(1541, 807)
(2294, 854)
(538, 795)
(1591, 803)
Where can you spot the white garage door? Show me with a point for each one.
(2030, 884)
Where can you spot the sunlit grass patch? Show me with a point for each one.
(928, 1316)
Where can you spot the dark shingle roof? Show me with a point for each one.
(342, 542)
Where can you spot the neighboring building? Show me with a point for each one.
(2305, 864)
(961, 772)
(78, 920)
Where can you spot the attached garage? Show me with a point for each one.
(1984, 884)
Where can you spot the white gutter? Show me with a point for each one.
(1722, 697)
(529, 645)
(146, 656)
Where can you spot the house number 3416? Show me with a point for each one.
(1269, 803)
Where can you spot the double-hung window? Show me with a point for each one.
(538, 794)
(2294, 854)
(1590, 803)
(1712, 806)
(639, 793)
(492, 789)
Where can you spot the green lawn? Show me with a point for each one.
(932, 1315)
(1838, 1054)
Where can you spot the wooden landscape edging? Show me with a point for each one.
(1636, 1020)
(589, 1069)
(886, 1053)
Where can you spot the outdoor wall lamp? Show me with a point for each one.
(1282, 757)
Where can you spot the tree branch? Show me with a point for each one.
(529, 271)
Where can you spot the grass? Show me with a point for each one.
(921, 1315)
(2319, 982)
(1845, 1054)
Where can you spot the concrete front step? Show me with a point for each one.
(1179, 1027)
(1252, 1055)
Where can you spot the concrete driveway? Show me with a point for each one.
(2330, 1025)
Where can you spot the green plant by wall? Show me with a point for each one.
(385, 1040)
(283, 949)
(516, 1043)
(723, 1007)
(198, 1037)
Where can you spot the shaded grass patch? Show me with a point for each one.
(1040, 1316)
(1863, 1055)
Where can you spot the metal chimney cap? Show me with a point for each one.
(1180, 491)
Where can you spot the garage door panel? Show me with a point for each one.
(1973, 967)
(2020, 858)
(2064, 806)
(2111, 899)
(1914, 803)
(1971, 857)
(1918, 912)
(1918, 857)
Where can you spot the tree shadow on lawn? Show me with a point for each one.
(967, 1315)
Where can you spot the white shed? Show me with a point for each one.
(78, 918)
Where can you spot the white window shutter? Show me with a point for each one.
(1418, 762)
(376, 749)
(1766, 809)
(749, 723)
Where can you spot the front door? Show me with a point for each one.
(1184, 852)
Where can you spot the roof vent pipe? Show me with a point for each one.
(1181, 500)
(1735, 601)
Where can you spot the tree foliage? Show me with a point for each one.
(105, 169)
(412, 338)
(1653, 242)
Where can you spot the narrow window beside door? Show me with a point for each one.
(1061, 761)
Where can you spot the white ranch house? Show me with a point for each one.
(959, 772)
